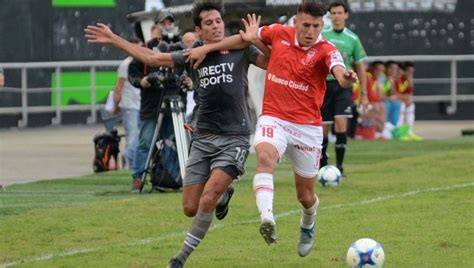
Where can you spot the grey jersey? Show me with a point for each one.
(221, 84)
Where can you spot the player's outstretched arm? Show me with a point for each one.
(238, 41)
(196, 55)
(344, 77)
(101, 34)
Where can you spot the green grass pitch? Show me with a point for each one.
(415, 198)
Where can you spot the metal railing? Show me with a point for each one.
(58, 109)
(453, 98)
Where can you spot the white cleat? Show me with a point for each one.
(306, 241)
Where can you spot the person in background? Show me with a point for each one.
(337, 105)
(127, 102)
(375, 80)
(2, 78)
(370, 118)
(169, 30)
(188, 39)
(145, 78)
(156, 32)
(391, 102)
(405, 89)
(353, 121)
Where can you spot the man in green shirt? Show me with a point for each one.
(337, 105)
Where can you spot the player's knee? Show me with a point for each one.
(306, 198)
(265, 161)
(207, 202)
(190, 210)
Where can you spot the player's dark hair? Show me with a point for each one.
(339, 4)
(204, 6)
(312, 8)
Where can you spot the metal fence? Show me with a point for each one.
(58, 66)
(452, 96)
(453, 80)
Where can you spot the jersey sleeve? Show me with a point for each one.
(267, 33)
(178, 59)
(252, 53)
(334, 58)
(359, 51)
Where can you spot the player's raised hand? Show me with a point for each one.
(100, 34)
(195, 56)
(251, 28)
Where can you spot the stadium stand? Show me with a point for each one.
(436, 31)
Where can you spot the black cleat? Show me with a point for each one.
(174, 263)
(323, 160)
(221, 210)
(341, 169)
(268, 232)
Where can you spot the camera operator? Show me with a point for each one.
(154, 83)
(169, 31)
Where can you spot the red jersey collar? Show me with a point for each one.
(319, 39)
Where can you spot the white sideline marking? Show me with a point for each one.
(220, 226)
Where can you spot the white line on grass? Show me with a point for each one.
(220, 226)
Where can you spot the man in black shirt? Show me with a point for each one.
(152, 91)
(221, 141)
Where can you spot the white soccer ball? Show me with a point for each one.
(365, 252)
(329, 176)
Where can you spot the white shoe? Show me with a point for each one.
(306, 242)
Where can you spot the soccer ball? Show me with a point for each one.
(329, 176)
(365, 252)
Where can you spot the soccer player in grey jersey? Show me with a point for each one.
(220, 146)
(222, 80)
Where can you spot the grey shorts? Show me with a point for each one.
(209, 151)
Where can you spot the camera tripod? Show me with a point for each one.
(181, 135)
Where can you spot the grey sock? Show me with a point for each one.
(196, 233)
